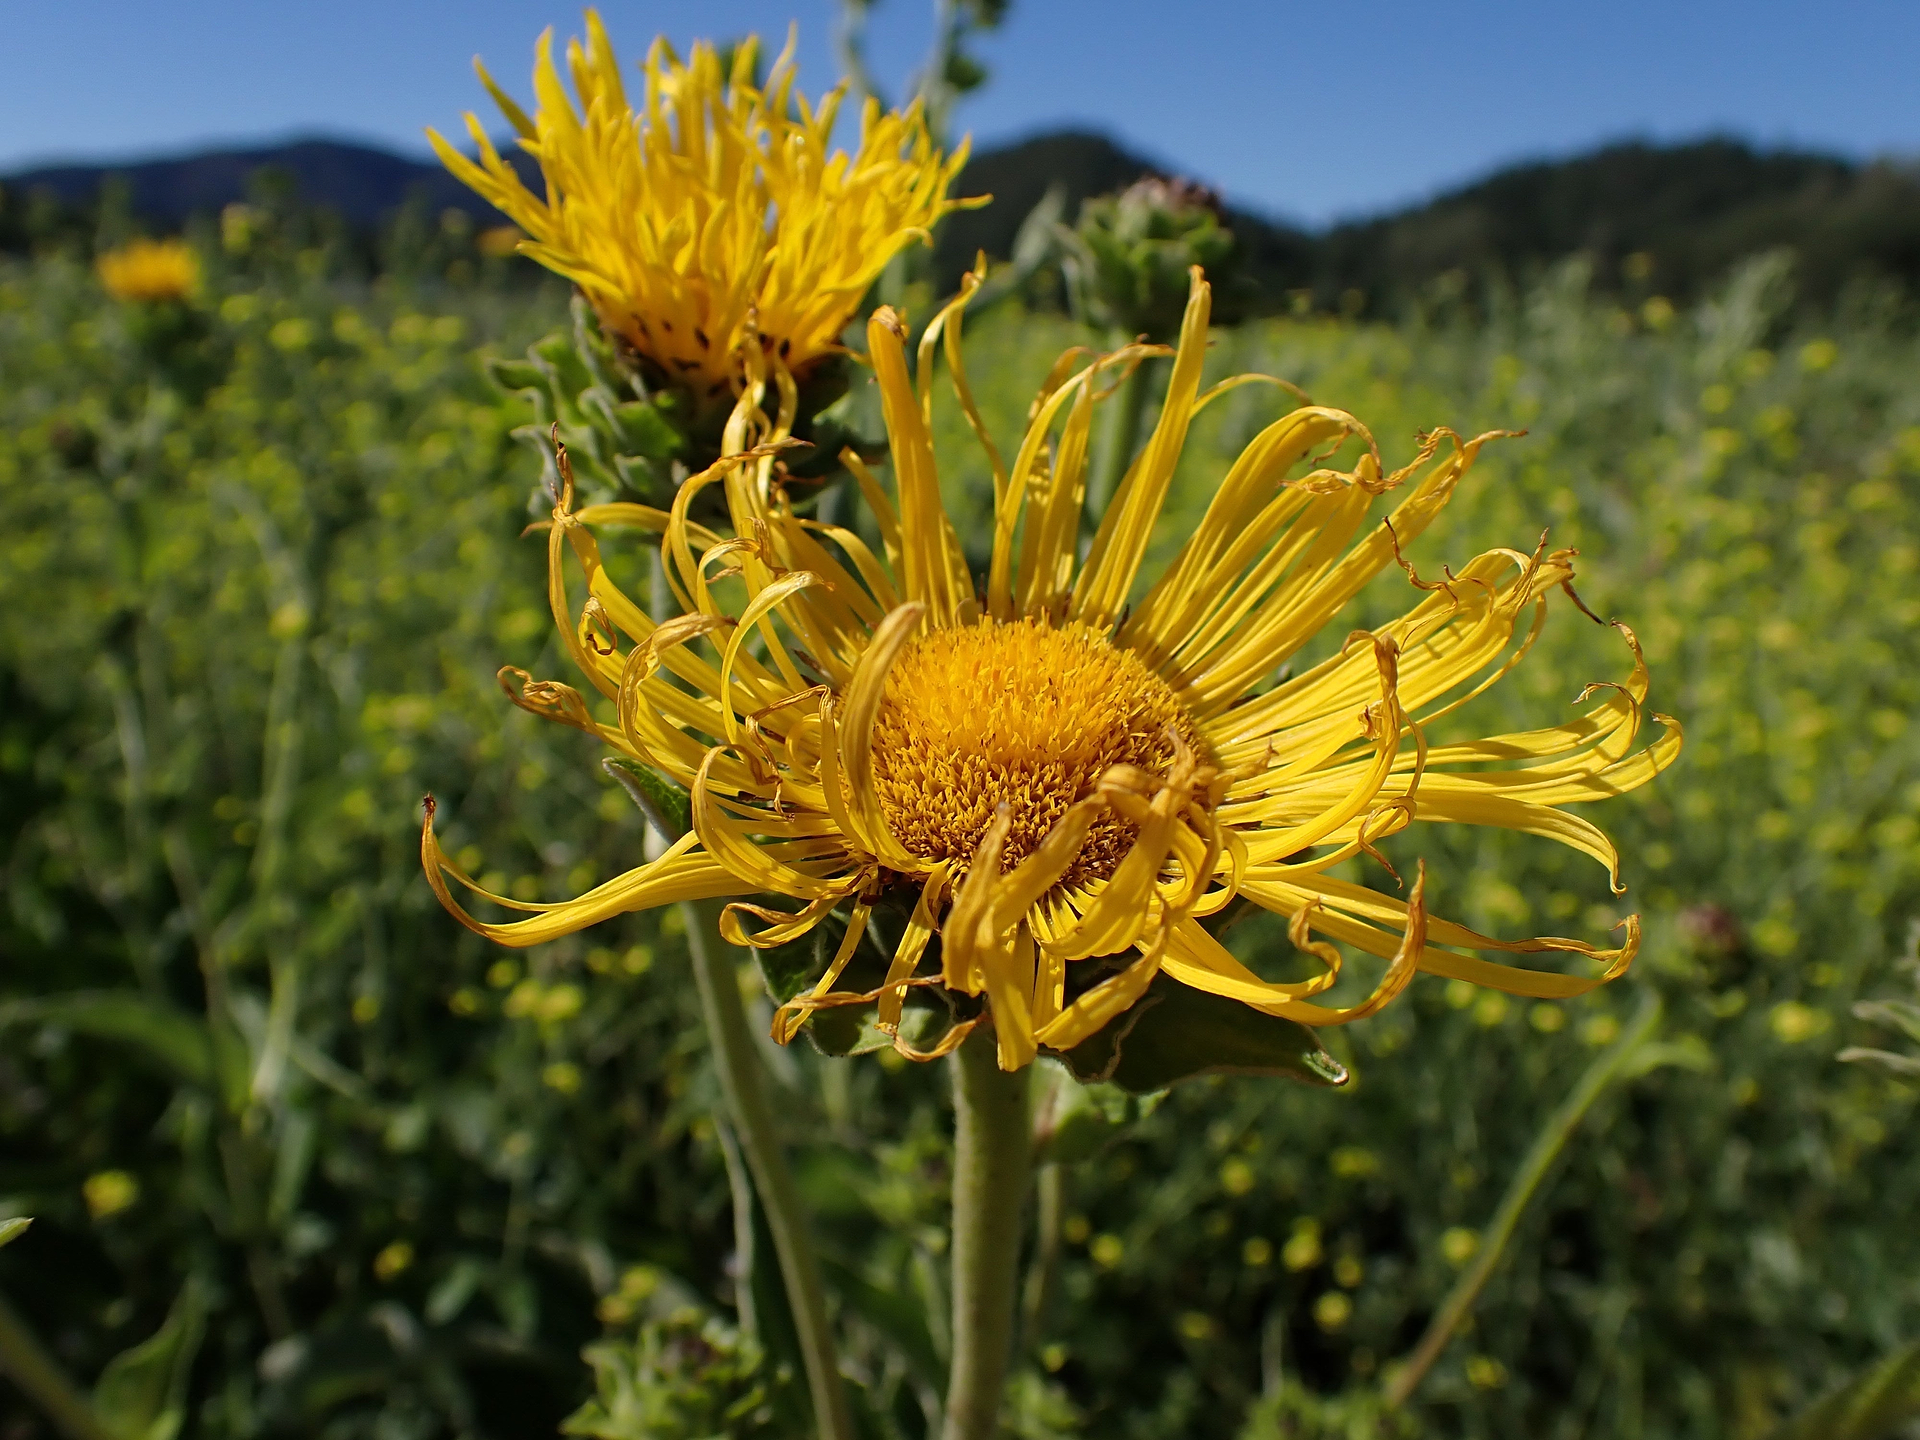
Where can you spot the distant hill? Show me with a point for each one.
(1693, 210)
(1082, 165)
(363, 184)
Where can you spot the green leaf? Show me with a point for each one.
(13, 1229)
(1177, 1032)
(668, 808)
(1085, 1118)
(641, 428)
(1869, 1407)
(1902, 1015)
(517, 375)
(177, 1040)
(788, 969)
(142, 1393)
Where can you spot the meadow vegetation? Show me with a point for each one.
(364, 1174)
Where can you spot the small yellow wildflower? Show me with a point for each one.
(714, 219)
(1196, 1326)
(150, 271)
(1818, 355)
(1302, 1250)
(1332, 1311)
(393, 1261)
(500, 241)
(109, 1192)
(1353, 1162)
(1485, 1373)
(1459, 1245)
(1793, 1022)
(1060, 779)
(1547, 1018)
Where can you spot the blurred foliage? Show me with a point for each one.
(254, 587)
(680, 1377)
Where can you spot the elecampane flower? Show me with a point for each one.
(150, 270)
(715, 217)
(1067, 785)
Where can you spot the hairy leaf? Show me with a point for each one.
(1177, 1032)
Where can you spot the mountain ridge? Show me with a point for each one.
(1682, 214)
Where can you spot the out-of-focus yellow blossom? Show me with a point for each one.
(109, 1192)
(1459, 1245)
(150, 271)
(714, 219)
(1063, 779)
(393, 1261)
(1302, 1250)
(1332, 1311)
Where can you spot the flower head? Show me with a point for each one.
(715, 219)
(1061, 785)
(150, 270)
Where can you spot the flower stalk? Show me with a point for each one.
(1119, 438)
(1624, 1058)
(992, 1160)
(743, 1089)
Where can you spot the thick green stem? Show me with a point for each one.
(25, 1362)
(1119, 435)
(1547, 1146)
(743, 1086)
(992, 1160)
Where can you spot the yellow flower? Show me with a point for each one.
(715, 220)
(109, 1192)
(150, 270)
(393, 1261)
(1063, 782)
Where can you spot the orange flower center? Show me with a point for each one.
(1020, 714)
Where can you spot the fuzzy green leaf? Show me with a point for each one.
(142, 1393)
(643, 428)
(668, 808)
(1176, 1033)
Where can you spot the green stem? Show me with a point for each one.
(1043, 1273)
(1119, 435)
(743, 1086)
(39, 1376)
(1547, 1146)
(992, 1159)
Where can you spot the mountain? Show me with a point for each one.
(364, 185)
(1082, 165)
(1691, 211)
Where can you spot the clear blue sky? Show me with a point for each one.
(1307, 111)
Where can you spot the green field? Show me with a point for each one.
(255, 582)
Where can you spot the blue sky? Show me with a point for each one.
(1306, 111)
